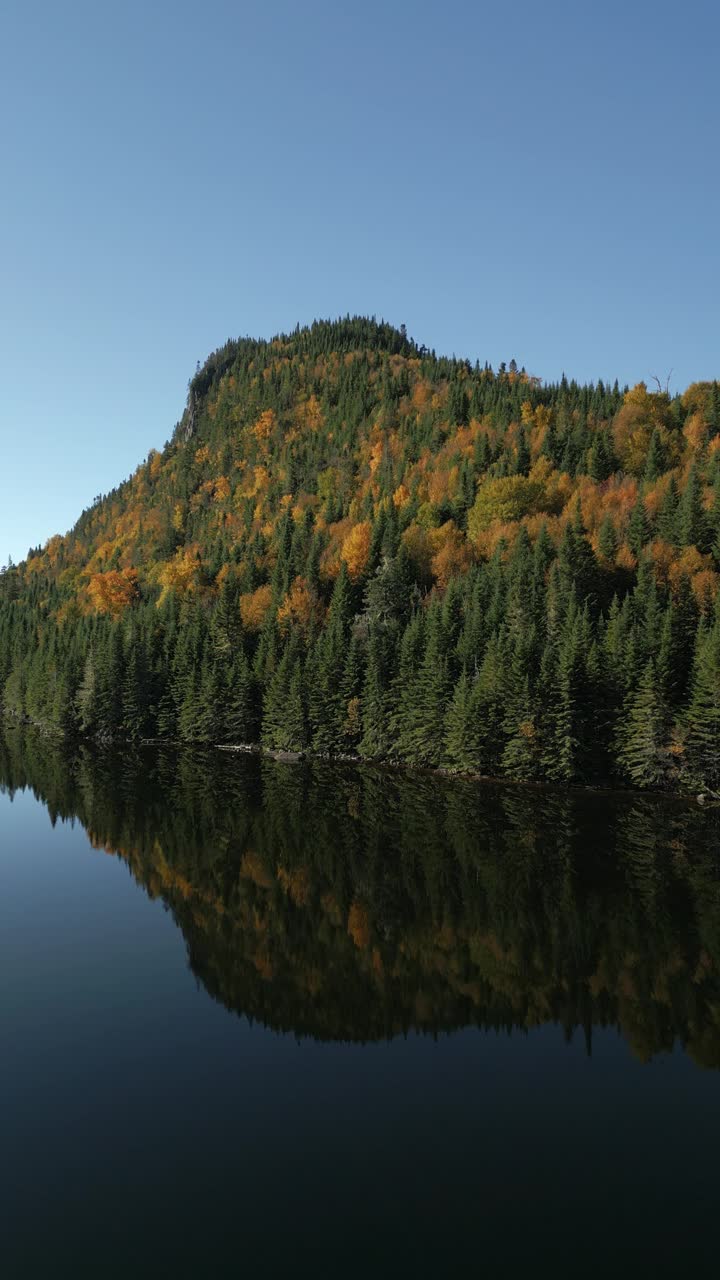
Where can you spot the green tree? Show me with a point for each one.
(643, 733)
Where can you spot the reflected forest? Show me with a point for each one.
(358, 903)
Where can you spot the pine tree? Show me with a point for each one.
(421, 738)
(376, 741)
(351, 691)
(490, 697)
(576, 562)
(522, 464)
(692, 524)
(325, 670)
(607, 540)
(462, 746)
(667, 520)
(655, 463)
(557, 729)
(134, 694)
(643, 733)
(86, 708)
(209, 723)
(638, 533)
(520, 757)
(188, 705)
(701, 759)
(683, 619)
(602, 461)
(109, 683)
(241, 712)
(284, 725)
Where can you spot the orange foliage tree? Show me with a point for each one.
(113, 591)
(453, 553)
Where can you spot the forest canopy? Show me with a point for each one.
(354, 546)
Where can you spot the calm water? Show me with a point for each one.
(274, 1019)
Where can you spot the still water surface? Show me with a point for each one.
(299, 1019)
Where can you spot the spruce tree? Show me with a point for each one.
(462, 745)
(351, 704)
(522, 464)
(134, 693)
(691, 521)
(284, 725)
(643, 733)
(240, 703)
(85, 705)
(667, 520)
(638, 532)
(376, 741)
(490, 697)
(421, 738)
(607, 540)
(520, 757)
(655, 462)
(701, 758)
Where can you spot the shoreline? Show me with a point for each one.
(706, 799)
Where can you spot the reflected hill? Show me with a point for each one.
(352, 903)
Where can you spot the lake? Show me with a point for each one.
(266, 1018)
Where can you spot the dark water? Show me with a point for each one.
(268, 1019)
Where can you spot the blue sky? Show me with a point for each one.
(537, 181)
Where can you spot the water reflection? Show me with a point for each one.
(355, 904)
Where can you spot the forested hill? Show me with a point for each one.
(354, 546)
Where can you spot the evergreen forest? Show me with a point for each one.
(352, 546)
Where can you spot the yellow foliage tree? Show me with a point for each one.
(301, 606)
(312, 414)
(506, 499)
(254, 606)
(356, 549)
(695, 431)
(180, 574)
(265, 425)
(641, 412)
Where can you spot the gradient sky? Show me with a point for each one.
(537, 181)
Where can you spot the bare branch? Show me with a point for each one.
(663, 388)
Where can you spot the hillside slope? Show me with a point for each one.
(352, 545)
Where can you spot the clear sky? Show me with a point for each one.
(529, 180)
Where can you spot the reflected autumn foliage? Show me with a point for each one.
(359, 903)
